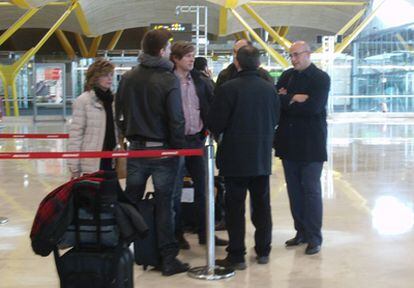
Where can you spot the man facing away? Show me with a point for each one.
(246, 112)
(231, 71)
(149, 113)
(301, 143)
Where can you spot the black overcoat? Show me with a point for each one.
(302, 131)
(245, 111)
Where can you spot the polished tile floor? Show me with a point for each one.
(368, 215)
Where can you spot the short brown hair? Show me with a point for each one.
(101, 67)
(180, 48)
(155, 40)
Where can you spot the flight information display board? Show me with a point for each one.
(180, 31)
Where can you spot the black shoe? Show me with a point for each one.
(295, 241)
(226, 263)
(262, 259)
(312, 249)
(218, 241)
(221, 226)
(182, 242)
(173, 266)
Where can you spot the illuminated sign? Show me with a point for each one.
(173, 27)
(180, 31)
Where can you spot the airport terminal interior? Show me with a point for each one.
(367, 48)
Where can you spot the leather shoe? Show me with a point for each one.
(220, 226)
(173, 266)
(218, 241)
(262, 259)
(182, 242)
(312, 249)
(226, 263)
(294, 241)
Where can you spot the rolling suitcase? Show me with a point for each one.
(90, 263)
(146, 250)
(105, 268)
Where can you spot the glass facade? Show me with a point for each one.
(383, 70)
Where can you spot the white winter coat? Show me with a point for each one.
(87, 131)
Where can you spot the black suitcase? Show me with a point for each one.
(108, 268)
(189, 214)
(90, 263)
(146, 250)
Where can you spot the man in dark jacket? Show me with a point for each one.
(231, 71)
(196, 97)
(149, 114)
(246, 111)
(301, 143)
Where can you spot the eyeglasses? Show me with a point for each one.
(297, 54)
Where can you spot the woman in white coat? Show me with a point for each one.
(92, 127)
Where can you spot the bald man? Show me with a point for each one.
(231, 71)
(300, 143)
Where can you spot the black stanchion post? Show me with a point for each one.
(211, 271)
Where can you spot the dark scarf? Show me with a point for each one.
(107, 98)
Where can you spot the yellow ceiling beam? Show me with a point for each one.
(222, 21)
(19, 23)
(83, 22)
(94, 46)
(81, 45)
(65, 44)
(276, 56)
(283, 31)
(281, 41)
(348, 25)
(347, 40)
(352, 22)
(237, 36)
(21, 4)
(246, 35)
(231, 3)
(307, 3)
(114, 40)
(9, 72)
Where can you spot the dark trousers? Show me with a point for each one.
(164, 174)
(195, 167)
(236, 191)
(303, 181)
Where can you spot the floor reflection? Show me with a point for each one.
(368, 214)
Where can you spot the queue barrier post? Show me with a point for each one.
(210, 271)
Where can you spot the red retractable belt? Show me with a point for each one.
(103, 154)
(33, 136)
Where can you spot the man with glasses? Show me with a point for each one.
(300, 143)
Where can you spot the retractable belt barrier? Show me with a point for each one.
(103, 154)
(33, 136)
(208, 272)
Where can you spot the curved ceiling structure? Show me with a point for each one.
(105, 16)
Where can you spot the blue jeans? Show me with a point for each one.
(303, 181)
(164, 174)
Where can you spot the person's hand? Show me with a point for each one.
(208, 73)
(282, 91)
(300, 98)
